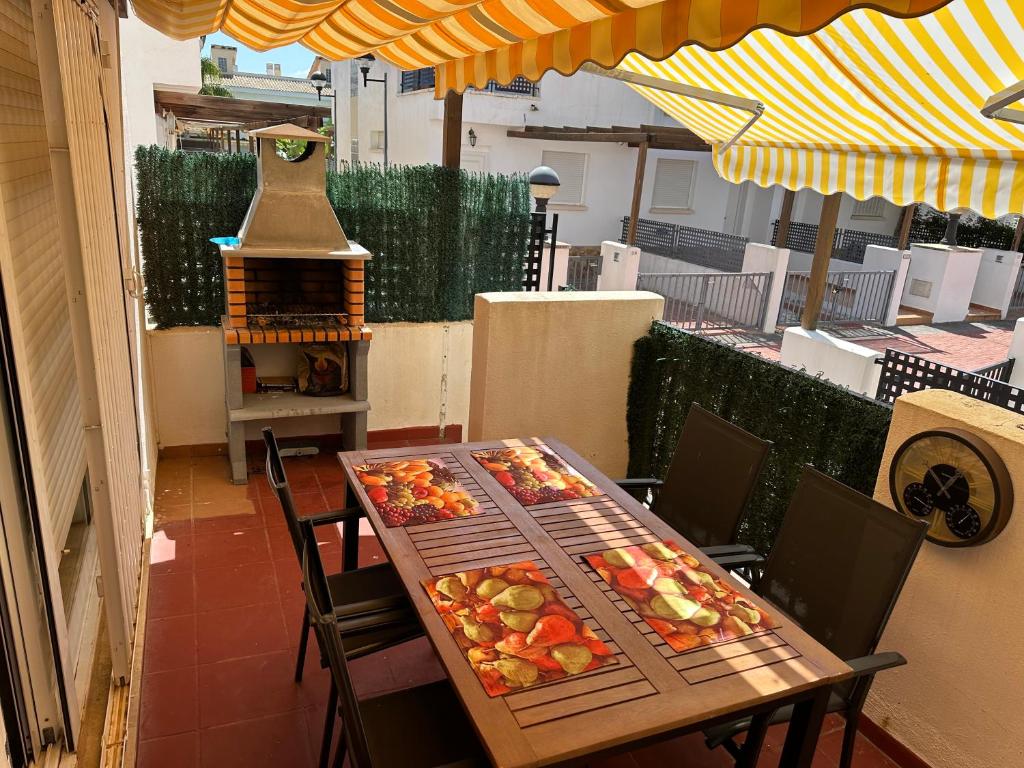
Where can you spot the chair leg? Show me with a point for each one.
(751, 748)
(303, 642)
(849, 739)
(329, 722)
(339, 753)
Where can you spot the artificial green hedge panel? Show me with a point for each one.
(809, 420)
(437, 236)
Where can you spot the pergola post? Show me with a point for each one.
(451, 131)
(785, 217)
(638, 188)
(1018, 234)
(903, 230)
(819, 267)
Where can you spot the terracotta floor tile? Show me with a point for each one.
(169, 511)
(689, 751)
(370, 677)
(208, 488)
(278, 741)
(172, 549)
(170, 643)
(234, 586)
(222, 548)
(257, 686)
(281, 545)
(168, 703)
(310, 503)
(335, 496)
(180, 751)
(221, 515)
(234, 633)
(171, 594)
(865, 753)
(413, 663)
(315, 721)
(289, 577)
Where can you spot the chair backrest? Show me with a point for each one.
(279, 483)
(711, 478)
(839, 563)
(324, 622)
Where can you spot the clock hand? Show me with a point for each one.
(936, 478)
(956, 476)
(943, 487)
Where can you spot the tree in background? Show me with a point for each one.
(211, 78)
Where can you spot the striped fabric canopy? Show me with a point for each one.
(870, 105)
(474, 41)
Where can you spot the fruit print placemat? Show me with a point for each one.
(535, 475)
(515, 630)
(414, 492)
(684, 603)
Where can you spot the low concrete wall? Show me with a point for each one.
(941, 280)
(841, 362)
(957, 703)
(406, 364)
(997, 276)
(557, 364)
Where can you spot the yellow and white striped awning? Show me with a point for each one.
(870, 105)
(474, 41)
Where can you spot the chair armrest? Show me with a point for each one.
(876, 662)
(722, 550)
(740, 560)
(334, 516)
(639, 482)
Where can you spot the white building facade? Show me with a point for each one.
(597, 177)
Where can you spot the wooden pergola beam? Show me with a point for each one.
(621, 138)
(656, 137)
(638, 189)
(451, 131)
(906, 222)
(822, 255)
(1018, 234)
(785, 218)
(224, 109)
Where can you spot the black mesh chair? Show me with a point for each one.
(837, 569)
(370, 602)
(422, 727)
(709, 483)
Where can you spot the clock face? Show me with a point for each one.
(954, 481)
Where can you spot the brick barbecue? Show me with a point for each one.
(291, 275)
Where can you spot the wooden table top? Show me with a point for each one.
(653, 689)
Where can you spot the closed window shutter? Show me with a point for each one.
(872, 208)
(571, 168)
(673, 183)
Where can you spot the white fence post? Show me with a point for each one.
(899, 284)
(620, 265)
(768, 258)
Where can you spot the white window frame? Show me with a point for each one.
(570, 205)
(688, 206)
(865, 209)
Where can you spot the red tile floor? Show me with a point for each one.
(222, 630)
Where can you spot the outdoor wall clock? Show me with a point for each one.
(955, 481)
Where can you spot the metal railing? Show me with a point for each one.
(582, 272)
(903, 373)
(847, 244)
(1017, 297)
(702, 247)
(423, 79)
(709, 301)
(850, 297)
(999, 371)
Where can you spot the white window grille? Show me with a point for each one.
(674, 181)
(872, 208)
(571, 168)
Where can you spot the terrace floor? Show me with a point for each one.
(967, 346)
(222, 630)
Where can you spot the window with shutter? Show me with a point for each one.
(673, 184)
(571, 168)
(872, 208)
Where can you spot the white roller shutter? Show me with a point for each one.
(571, 168)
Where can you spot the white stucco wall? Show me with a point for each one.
(997, 276)
(406, 363)
(951, 273)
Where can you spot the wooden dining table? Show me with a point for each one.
(653, 693)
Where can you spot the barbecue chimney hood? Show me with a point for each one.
(290, 215)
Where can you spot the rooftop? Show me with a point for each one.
(266, 82)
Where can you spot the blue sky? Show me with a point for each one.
(294, 59)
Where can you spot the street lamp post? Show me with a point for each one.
(364, 67)
(320, 81)
(544, 184)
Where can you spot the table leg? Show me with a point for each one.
(350, 535)
(804, 729)
(753, 742)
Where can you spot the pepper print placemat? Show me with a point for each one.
(515, 630)
(414, 492)
(684, 603)
(535, 475)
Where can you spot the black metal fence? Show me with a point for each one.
(847, 244)
(903, 373)
(423, 79)
(696, 246)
